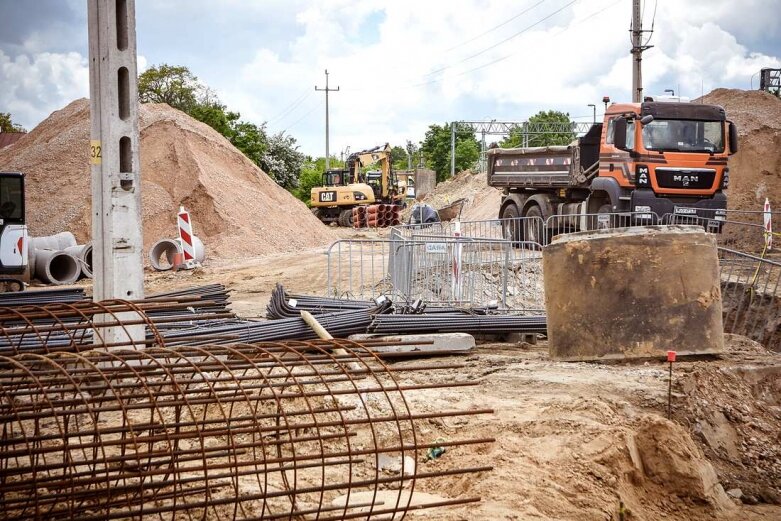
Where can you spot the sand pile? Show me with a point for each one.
(237, 210)
(480, 200)
(755, 171)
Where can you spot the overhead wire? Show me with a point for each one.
(501, 42)
(296, 122)
(495, 27)
(290, 107)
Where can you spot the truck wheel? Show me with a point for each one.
(534, 227)
(346, 218)
(511, 225)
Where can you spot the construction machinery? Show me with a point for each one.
(13, 232)
(344, 189)
(644, 160)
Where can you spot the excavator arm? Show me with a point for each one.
(378, 154)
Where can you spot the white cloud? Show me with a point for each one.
(37, 84)
(390, 90)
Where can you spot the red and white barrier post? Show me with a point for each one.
(186, 238)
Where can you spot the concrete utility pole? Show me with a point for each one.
(327, 90)
(637, 52)
(116, 181)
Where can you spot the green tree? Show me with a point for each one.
(544, 139)
(436, 149)
(171, 84)
(399, 158)
(7, 124)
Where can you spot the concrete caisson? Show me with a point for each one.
(633, 293)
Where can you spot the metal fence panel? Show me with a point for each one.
(737, 229)
(440, 270)
(751, 297)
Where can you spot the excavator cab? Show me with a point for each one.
(336, 178)
(13, 231)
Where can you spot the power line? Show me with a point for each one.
(299, 120)
(496, 26)
(501, 42)
(292, 105)
(494, 62)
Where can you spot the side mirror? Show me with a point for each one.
(733, 138)
(619, 134)
(648, 118)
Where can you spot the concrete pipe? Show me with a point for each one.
(57, 242)
(162, 253)
(83, 254)
(200, 249)
(633, 293)
(56, 267)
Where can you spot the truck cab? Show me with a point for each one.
(645, 160)
(664, 158)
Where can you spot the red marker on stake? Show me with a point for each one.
(670, 359)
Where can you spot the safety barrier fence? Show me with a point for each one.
(438, 269)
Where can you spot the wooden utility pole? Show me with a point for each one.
(327, 90)
(116, 180)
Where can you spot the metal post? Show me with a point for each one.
(637, 53)
(327, 90)
(452, 149)
(116, 180)
(482, 154)
(594, 117)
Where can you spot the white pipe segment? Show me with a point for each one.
(56, 267)
(83, 254)
(57, 242)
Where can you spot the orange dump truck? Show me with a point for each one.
(644, 160)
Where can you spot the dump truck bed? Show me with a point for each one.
(552, 166)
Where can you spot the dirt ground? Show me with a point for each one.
(573, 440)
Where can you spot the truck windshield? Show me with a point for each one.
(684, 135)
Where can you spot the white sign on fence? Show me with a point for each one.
(439, 248)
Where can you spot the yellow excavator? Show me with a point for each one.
(343, 190)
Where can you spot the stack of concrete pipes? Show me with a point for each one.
(57, 259)
(167, 254)
(377, 216)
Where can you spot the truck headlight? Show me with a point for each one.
(642, 178)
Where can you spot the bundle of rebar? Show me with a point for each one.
(457, 323)
(271, 431)
(286, 305)
(41, 296)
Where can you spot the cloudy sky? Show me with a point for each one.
(400, 64)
